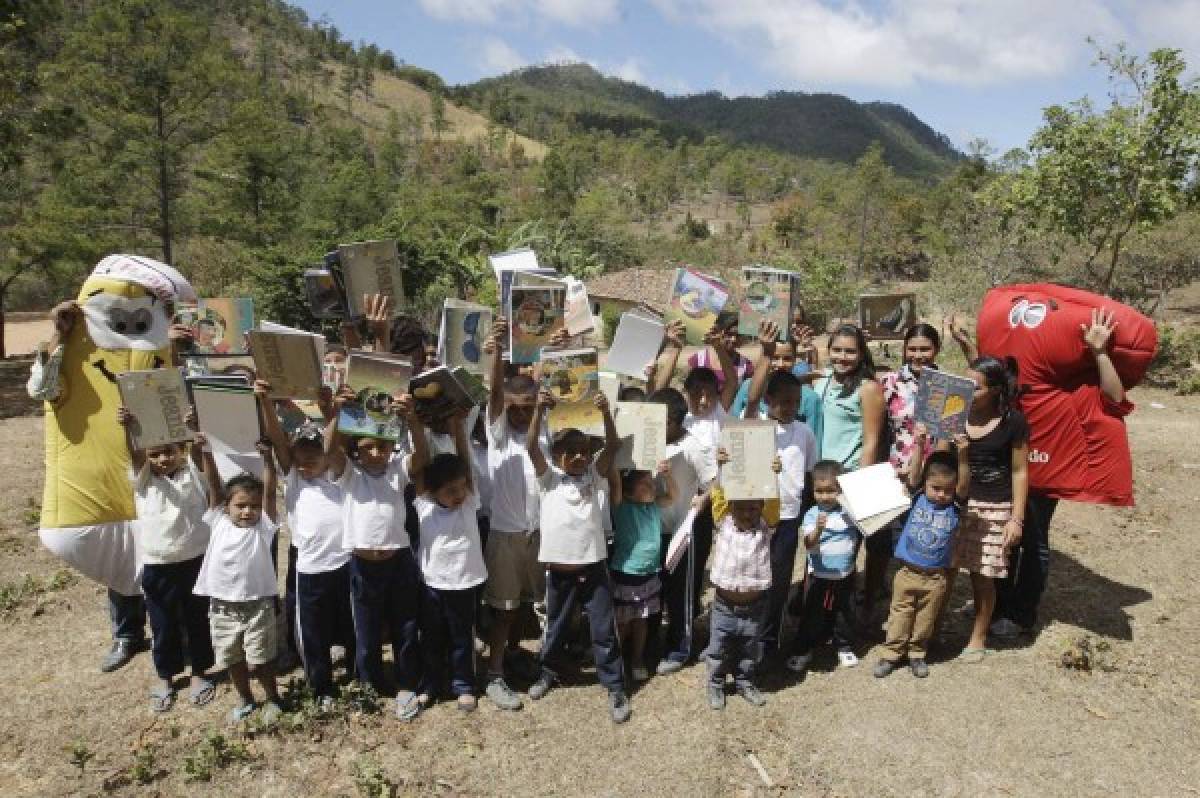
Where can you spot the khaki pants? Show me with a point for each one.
(916, 602)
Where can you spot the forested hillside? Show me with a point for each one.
(826, 126)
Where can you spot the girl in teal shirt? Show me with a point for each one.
(636, 558)
(851, 402)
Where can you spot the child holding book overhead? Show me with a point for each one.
(384, 579)
(573, 550)
(171, 534)
(238, 575)
(636, 555)
(920, 586)
(451, 560)
(832, 541)
(313, 501)
(999, 461)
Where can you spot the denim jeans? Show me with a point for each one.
(386, 593)
(735, 640)
(323, 618)
(829, 609)
(1019, 594)
(448, 638)
(178, 617)
(784, 543)
(590, 587)
(127, 615)
(682, 589)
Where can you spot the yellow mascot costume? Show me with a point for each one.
(123, 324)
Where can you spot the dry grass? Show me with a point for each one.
(1020, 724)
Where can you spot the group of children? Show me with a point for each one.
(507, 515)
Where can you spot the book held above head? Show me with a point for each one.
(636, 343)
(696, 300)
(570, 375)
(369, 268)
(289, 359)
(158, 401)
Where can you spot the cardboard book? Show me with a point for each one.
(228, 415)
(371, 267)
(886, 316)
(751, 449)
(571, 376)
(438, 395)
(290, 361)
(464, 328)
(158, 401)
(325, 298)
(635, 344)
(942, 403)
(873, 496)
(219, 326)
(642, 428)
(767, 294)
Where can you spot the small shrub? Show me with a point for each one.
(1176, 365)
(371, 780)
(1082, 654)
(79, 754)
(215, 753)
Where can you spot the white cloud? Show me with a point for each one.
(560, 54)
(905, 42)
(630, 69)
(496, 56)
(570, 12)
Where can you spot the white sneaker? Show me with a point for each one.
(639, 673)
(846, 659)
(1005, 629)
(799, 662)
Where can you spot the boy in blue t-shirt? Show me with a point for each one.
(924, 550)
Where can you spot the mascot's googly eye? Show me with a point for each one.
(1017, 313)
(1034, 315)
(117, 322)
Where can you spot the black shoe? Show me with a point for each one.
(119, 655)
(885, 667)
(918, 668)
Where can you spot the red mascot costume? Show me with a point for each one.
(1078, 449)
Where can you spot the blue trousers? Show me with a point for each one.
(590, 587)
(735, 640)
(784, 543)
(448, 637)
(178, 617)
(386, 594)
(1019, 594)
(323, 619)
(127, 616)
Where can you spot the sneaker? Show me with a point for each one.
(668, 666)
(619, 706)
(500, 694)
(538, 689)
(1004, 629)
(271, 712)
(716, 696)
(752, 694)
(799, 663)
(119, 655)
(847, 658)
(883, 668)
(918, 668)
(408, 706)
(639, 673)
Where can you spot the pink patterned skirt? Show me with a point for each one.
(979, 544)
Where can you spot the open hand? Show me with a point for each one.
(768, 334)
(64, 315)
(674, 334)
(601, 402)
(1097, 335)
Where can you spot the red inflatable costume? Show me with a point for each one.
(1077, 445)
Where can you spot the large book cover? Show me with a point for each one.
(886, 316)
(873, 496)
(751, 449)
(464, 328)
(571, 376)
(696, 300)
(477, 392)
(536, 316)
(372, 267)
(376, 380)
(219, 326)
(438, 394)
(642, 428)
(767, 294)
(577, 311)
(158, 400)
(228, 415)
(289, 361)
(325, 298)
(635, 344)
(942, 403)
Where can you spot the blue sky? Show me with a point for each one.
(969, 68)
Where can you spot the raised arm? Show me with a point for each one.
(335, 441)
(714, 339)
(670, 489)
(963, 486)
(871, 396)
(378, 309)
(350, 337)
(462, 445)
(962, 337)
(212, 477)
(669, 358)
(768, 331)
(1096, 338)
(137, 458)
(916, 463)
(271, 426)
(612, 442)
(533, 444)
(494, 347)
(406, 408)
(270, 482)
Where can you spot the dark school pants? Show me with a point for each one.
(784, 544)
(178, 617)
(323, 619)
(829, 609)
(127, 616)
(591, 588)
(448, 640)
(1019, 594)
(386, 593)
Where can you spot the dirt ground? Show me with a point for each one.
(1019, 724)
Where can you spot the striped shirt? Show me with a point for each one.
(741, 559)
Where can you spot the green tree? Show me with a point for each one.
(1099, 176)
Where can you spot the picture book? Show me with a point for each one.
(635, 344)
(873, 496)
(438, 395)
(228, 415)
(886, 316)
(289, 361)
(378, 373)
(942, 403)
(570, 375)
(219, 365)
(158, 400)
(696, 300)
(642, 428)
(325, 299)
(470, 382)
(464, 328)
(219, 326)
(767, 294)
(577, 310)
(523, 259)
(536, 316)
(533, 278)
(371, 267)
(751, 449)
(359, 419)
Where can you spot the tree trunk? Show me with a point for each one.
(164, 186)
(3, 297)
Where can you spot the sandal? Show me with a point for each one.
(973, 656)
(162, 699)
(408, 707)
(202, 694)
(240, 713)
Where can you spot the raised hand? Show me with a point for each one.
(346, 394)
(498, 336)
(124, 417)
(768, 334)
(545, 399)
(1097, 335)
(777, 465)
(802, 338)
(675, 334)
(64, 315)
(664, 468)
(958, 330)
(601, 402)
(560, 339)
(262, 389)
(404, 406)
